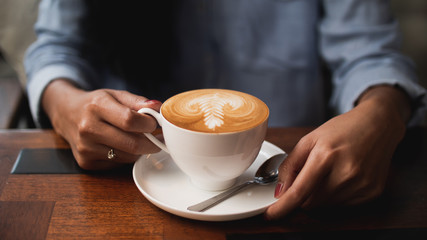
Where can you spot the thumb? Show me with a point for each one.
(289, 169)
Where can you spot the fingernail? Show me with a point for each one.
(153, 101)
(278, 190)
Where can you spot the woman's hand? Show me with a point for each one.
(97, 121)
(346, 160)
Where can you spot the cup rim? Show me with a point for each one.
(213, 133)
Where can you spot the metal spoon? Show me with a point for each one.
(266, 174)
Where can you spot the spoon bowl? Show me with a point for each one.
(269, 170)
(267, 173)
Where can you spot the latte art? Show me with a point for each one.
(213, 107)
(215, 110)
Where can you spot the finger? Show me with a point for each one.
(339, 179)
(304, 185)
(322, 196)
(132, 143)
(111, 154)
(356, 191)
(101, 153)
(110, 110)
(93, 157)
(345, 184)
(96, 156)
(133, 101)
(128, 142)
(292, 165)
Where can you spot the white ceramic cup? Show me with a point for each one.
(213, 161)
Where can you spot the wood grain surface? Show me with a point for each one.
(108, 205)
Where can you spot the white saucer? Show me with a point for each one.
(164, 185)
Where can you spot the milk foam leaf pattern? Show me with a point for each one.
(212, 106)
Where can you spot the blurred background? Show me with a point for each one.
(17, 18)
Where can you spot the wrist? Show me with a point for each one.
(388, 100)
(56, 97)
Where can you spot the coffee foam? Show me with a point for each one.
(215, 110)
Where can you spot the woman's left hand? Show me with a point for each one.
(345, 161)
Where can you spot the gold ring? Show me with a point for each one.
(111, 155)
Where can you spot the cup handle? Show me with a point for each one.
(150, 136)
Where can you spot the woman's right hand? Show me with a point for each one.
(93, 122)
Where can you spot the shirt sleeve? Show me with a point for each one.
(359, 40)
(56, 52)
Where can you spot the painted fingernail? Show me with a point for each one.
(278, 190)
(153, 102)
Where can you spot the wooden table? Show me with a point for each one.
(108, 205)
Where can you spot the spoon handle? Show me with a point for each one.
(205, 205)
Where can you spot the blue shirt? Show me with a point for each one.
(273, 49)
